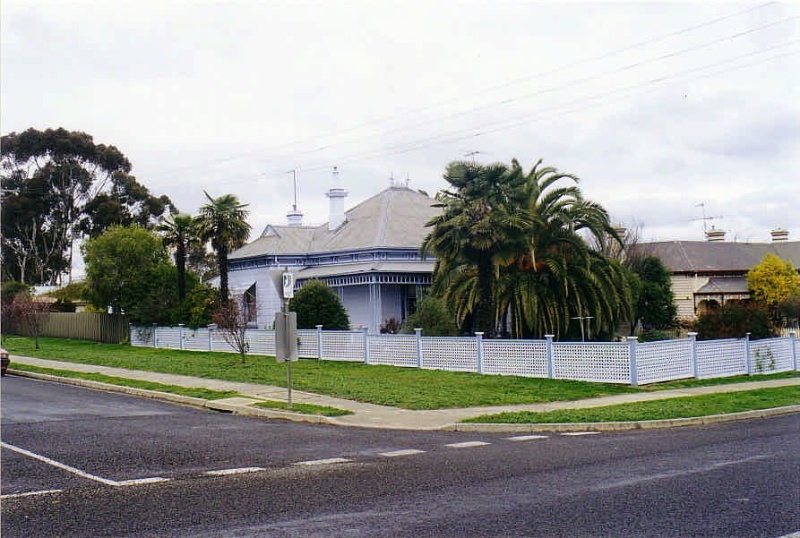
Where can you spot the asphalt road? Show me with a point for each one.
(77, 462)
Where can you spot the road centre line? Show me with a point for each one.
(528, 437)
(468, 444)
(396, 453)
(30, 493)
(78, 472)
(241, 470)
(327, 461)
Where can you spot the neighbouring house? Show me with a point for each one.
(706, 274)
(369, 255)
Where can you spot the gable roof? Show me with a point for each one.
(393, 218)
(718, 257)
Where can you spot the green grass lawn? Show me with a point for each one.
(683, 407)
(409, 388)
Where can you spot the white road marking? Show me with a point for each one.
(78, 472)
(396, 453)
(528, 437)
(241, 470)
(323, 462)
(467, 444)
(29, 493)
(793, 535)
(576, 434)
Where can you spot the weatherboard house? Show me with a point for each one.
(369, 255)
(707, 274)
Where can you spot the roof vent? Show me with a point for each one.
(715, 236)
(779, 234)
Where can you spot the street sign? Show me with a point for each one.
(286, 336)
(288, 285)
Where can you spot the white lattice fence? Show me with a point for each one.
(771, 355)
(527, 358)
(721, 358)
(607, 362)
(664, 360)
(261, 342)
(449, 353)
(343, 346)
(394, 349)
(195, 339)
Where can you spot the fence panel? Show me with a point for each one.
(195, 339)
(169, 337)
(392, 349)
(721, 358)
(261, 342)
(664, 360)
(526, 358)
(342, 345)
(93, 326)
(771, 355)
(607, 362)
(449, 353)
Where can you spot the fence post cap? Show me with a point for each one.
(318, 326)
(692, 333)
(632, 338)
(418, 329)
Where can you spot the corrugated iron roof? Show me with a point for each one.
(711, 257)
(393, 218)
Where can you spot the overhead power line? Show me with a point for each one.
(489, 89)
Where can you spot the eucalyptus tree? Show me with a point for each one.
(179, 232)
(223, 222)
(477, 232)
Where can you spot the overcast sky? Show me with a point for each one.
(657, 107)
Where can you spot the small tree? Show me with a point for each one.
(317, 304)
(655, 305)
(30, 315)
(232, 325)
(433, 317)
(772, 281)
(733, 320)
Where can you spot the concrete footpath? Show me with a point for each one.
(367, 415)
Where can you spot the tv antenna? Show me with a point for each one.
(704, 218)
(471, 155)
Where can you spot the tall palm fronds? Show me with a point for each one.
(476, 232)
(179, 232)
(223, 221)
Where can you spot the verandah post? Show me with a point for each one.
(632, 354)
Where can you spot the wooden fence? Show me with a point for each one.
(94, 326)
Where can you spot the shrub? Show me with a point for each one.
(734, 320)
(433, 317)
(317, 304)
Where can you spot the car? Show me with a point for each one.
(4, 360)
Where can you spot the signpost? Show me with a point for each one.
(285, 326)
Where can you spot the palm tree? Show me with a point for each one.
(558, 277)
(179, 232)
(223, 222)
(477, 232)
